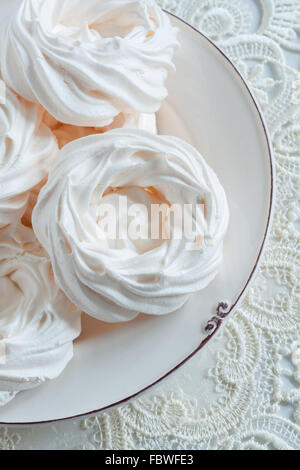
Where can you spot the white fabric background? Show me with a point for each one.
(243, 390)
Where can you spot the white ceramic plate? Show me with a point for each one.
(114, 363)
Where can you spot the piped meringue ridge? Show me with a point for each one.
(37, 322)
(27, 151)
(86, 62)
(115, 280)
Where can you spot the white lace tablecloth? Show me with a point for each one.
(243, 390)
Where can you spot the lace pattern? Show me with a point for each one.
(243, 390)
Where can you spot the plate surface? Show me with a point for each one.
(210, 105)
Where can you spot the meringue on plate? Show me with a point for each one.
(27, 151)
(115, 278)
(88, 61)
(6, 397)
(66, 133)
(37, 322)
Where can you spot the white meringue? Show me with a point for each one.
(37, 322)
(6, 397)
(114, 280)
(27, 150)
(88, 61)
(66, 133)
(31, 202)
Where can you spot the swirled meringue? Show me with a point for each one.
(27, 150)
(86, 62)
(33, 195)
(115, 279)
(6, 397)
(66, 133)
(37, 322)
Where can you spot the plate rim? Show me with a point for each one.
(223, 310)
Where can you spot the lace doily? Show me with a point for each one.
(243, 390)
